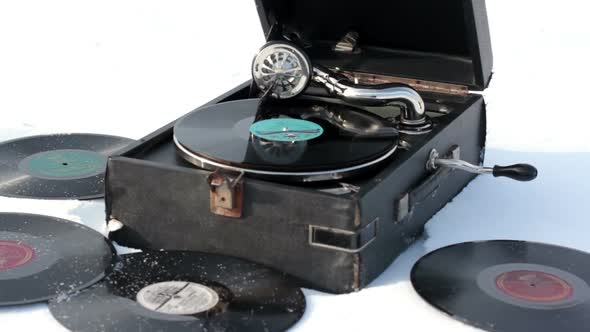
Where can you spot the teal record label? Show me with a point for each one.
(64, 164)
(286, 130)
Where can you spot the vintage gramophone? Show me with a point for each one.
(358, 126)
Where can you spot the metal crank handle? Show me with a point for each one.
(518, 172)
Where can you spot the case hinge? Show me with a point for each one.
(419, 85)
(348, 43)
(343, 240)
(226, 194)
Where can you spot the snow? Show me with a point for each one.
(86, 66)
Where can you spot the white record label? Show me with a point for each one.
(178, 298)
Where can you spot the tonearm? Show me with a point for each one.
(284, 70)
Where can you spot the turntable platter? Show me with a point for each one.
(304, 140)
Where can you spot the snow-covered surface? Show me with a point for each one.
(128, 67)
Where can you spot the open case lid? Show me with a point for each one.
(441, 41)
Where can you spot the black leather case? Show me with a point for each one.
(335, 237)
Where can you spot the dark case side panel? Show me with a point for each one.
(397, 230)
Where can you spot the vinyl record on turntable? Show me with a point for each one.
(65, 166)
(44, 257)
(184, 291)
(302, 140)
(508, 286)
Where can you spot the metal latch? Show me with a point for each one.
(343, 240)
(226, 194)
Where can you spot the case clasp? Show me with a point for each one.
(226, 194)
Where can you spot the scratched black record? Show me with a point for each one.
(184, 291)
(64, 166)
(44, 257)
(303, 140)
(508, 286)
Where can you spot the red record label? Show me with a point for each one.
(534, 286)
(14, 254)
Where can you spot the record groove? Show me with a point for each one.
(304, 137)
(44, 257)
(63, 166)
(184, 291)
(508, 286)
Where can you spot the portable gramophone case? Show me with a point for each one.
(335, 235)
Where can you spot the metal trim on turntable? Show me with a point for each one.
(334, 174)
(327, 141)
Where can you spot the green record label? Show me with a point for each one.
(64, 164)
(286, 130)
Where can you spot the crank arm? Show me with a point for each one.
(518, 172)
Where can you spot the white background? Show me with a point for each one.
(128, 67)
